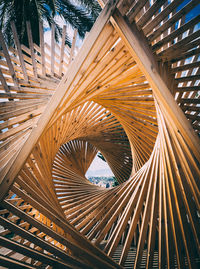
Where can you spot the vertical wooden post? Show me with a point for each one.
(62, 50)
(30, 41)
(72, 51)
(18, 46)
(42, 48)
(52, 48)
(8, 60)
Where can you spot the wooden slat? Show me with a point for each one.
(8, 60)
(30, 41)
(42, 48)
(122, 95)
(58, 96)
(72, 51)
(145, 56)
(17, 43)
(32, 253)
(62, 49)
(52, 48)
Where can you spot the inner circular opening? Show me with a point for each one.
(100, 174)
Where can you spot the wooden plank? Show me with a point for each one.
(135, 8)
(185, 67)
(189, 6)
(52, 48)
(72, 51)
(147, 63)
(17, 44)
(183, 45)
(42, 123)
(8, 60)
(42, 47)
(160, 16)
(149, 13)
(3, 82)
(176, 32)
(79, 251)
(30, 252)
(40, 242)
(30, 41)
(187, 78)
(188, 89)
(62, 50)
(6, 261)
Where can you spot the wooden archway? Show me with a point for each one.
(132, 91)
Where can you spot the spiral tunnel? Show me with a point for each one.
(124, 94)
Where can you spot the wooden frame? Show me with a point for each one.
(127, 94)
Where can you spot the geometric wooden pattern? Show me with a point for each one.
(130, 92)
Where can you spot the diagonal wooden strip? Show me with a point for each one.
(62, 50)
(3, 82)
(72, 51)
(42, 48)
(30, 252)
(17, 44)
(38, 241)
(147, 63)
(84, 251)
(102, 20)
(8, 60)
(7, 261)
(30, 41)
(52, 49)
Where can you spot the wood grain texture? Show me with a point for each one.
(132, 93)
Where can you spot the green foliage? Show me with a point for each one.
(108, 181)
(115, 182)
(101, 156)
(80, 14)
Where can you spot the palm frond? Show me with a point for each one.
(80, 14)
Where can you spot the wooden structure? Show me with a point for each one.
(132, 92)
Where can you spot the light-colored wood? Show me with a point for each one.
(62, 49)
(42, 48)
(30, 41)
(17, 44)
(59, 94)
(148, 65)
(8, 60)
(122, 95)
(52, 48)
(72, 51)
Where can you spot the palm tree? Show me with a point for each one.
(80, 14)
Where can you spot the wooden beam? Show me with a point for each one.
(38, 241)
(104, 17)
(7, 262)
(72, 51)
(18, 46)
(34, 254)
(30, 41)
(146, 60)
(52, 48)
(8, 60)
(62, 50)
(42, 47)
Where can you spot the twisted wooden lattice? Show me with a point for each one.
(130, 92)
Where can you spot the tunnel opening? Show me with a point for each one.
(99, 172)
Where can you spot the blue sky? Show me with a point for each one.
(61, 22)
(99, 168)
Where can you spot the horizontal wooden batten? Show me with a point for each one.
(120, 94)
